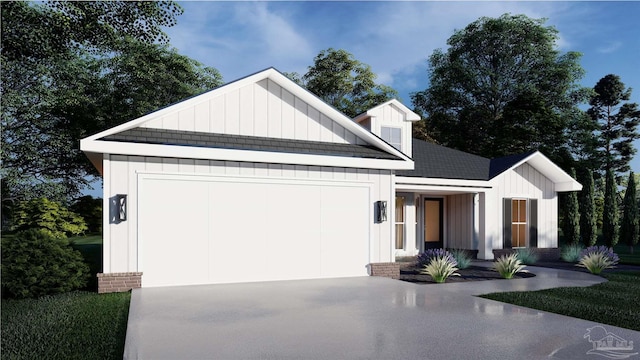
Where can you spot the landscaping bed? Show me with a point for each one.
(472, 273)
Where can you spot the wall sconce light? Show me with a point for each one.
(381, 211)
(121, 203)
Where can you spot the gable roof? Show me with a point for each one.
(96, 145)
(240, 142)
(439, 162)
(409, 115)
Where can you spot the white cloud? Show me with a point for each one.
(610, 47)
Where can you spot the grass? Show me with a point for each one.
(626, 257)
(613, 302)
(76, 325)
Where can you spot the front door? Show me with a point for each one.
(433, 227)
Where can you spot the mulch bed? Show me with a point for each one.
(472, 273)
(411, 273)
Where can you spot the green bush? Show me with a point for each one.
(527, 256)
(90, 209)
(508, 266)
(571, 253)
(462, 258)
(35, 263)
(45, 214)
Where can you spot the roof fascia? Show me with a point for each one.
(407, 180)
(562, 181)
(190, 152)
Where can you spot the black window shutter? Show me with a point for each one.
(506, 221)
(533, 223)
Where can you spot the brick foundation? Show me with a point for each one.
(544, 254)
(119, 282)
(390, 270)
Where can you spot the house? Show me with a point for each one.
(260, 180)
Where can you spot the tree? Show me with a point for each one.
(618, 121)
(610, 226)
(71, 69)
(49, 216)
(91, 211)
(630, 228)
(502, 87)
(571, 223)
(588, 215)
(344, 82)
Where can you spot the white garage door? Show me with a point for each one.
(208, 230)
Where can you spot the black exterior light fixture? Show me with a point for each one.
(381, 211)
(121, 206)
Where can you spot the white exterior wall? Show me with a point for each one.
(121, 177)
(524, 182)
(259, 109)
(391, 116)
(459, 225)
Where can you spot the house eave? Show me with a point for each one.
(461, 183)
(190, 152)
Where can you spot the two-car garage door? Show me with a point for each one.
(208, 229)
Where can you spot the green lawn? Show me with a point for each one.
(625, 255)
(614, 302)
(77, 325)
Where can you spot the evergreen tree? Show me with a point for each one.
(618, 121)
(610, 227)
(588, 215)
(571, 224)
(630, 229)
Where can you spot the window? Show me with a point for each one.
(393, 136)
(518, 223)
(400, 201)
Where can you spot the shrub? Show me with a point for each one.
(597, 258)
(50, 215)
(90, 209)
(426, 257)
(527, 256)
(35, 263)
(571, 253)
(440, 268)
(509, 265)
(462, 258)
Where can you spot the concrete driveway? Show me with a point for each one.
(356, 318)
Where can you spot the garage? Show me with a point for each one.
(206, 229)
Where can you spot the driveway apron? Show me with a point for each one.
(356, 318)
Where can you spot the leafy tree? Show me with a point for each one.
(618, 121)
(344, 82)
(35, 264)
(71, 69)
(502, 87)
(571, 223)
(91, 211)
(588, 215)
(49, 216)
(610, 226)
(630, 228)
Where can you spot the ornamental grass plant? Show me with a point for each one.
(597, 258)
(509, 265)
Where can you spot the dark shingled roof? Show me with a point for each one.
(240, 142)
(436, 161)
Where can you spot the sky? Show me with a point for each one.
(395, 38)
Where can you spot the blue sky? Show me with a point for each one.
(395, 38)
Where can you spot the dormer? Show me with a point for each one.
(391, 121)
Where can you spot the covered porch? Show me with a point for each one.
(440, 213)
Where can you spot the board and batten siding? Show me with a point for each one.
(121, 177)
(391, 116)
(527, 183)
(460, 221)
(262, 109)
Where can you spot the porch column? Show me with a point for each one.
(485, 242)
